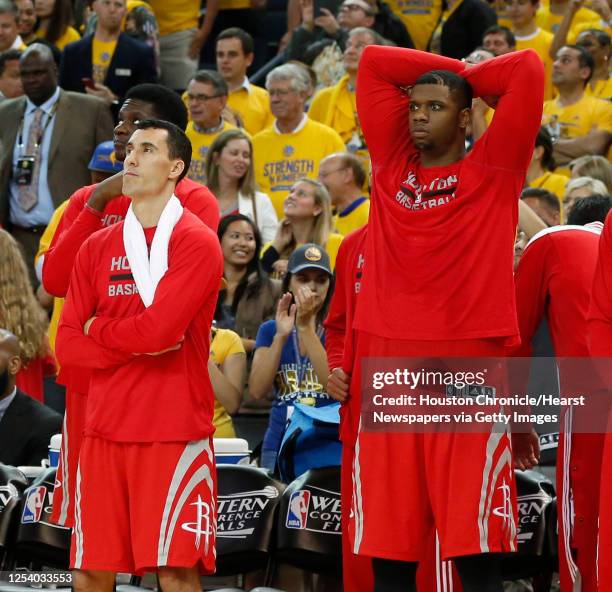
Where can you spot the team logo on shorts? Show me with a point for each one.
(34, 504)
(203, 525)
(288, 150)
(297, 513)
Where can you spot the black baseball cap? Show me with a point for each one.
(309, 256)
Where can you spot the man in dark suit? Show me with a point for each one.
(108, 62)
(26, 426)
(48, 137)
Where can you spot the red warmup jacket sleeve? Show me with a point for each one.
(203, 204)
(335, 323)
(193, 277)
(600, 312)
(73, 347)
(76, 226)
(531, 281)
(382, 104)
(517, 79)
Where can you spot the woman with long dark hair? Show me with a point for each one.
(250, 296)
(55, 22)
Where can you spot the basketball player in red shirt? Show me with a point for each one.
(138, 315)
(440, 283)
(600, 346)
(90, 209)
(554, 279)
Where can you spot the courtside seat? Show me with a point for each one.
(309, 528)
(535, 498)
(12, 485)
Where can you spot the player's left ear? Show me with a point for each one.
(465, 116)
(178, 167)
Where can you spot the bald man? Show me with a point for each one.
(53, 134)
(26, 426)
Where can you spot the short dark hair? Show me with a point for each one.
(350, 161)
(167, 104)
(236, 32)
(593, 208)
(179, 145)
(602, 37)
(544, 140)
(585, 60)
(213, 78)
(458, 86)
(550, 200)
(9, 55)
(501, 30)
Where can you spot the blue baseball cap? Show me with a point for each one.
(103, 159)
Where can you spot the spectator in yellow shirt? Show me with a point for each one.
(540, 173)
(234, 55)
(579, 124)
(307, 219)
(579, 188)
(597, 43)
(227, 369)
(293, 147)
(551, 14)
(26, 20)
(344, 176)
(207, 97)
(335, 106)
(9, 31)
(528, 35)
(499, 40)
(54, 19)
(420, 17)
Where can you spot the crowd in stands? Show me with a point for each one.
(287, 161)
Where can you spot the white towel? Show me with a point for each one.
(148, 271)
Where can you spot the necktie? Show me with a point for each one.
(28, 194)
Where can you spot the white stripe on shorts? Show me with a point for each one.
(65, 484)
(190, 454)
(357, 502)
(78, 526)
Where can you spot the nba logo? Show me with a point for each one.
(297, 513)
(33, 506)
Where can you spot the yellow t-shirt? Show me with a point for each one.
(578, 28)
(43, 247)
(552, 182)
(420, 17)
(234, 4)
(176, 15)
(224, 344)
(547, 20)
(70, 36)
(540, 42)
(282, 159)
(200, 143)
(577, 120)
(335, 106)
(501, 10)
(602, 90)
(253, 106)
(334, 240)
(353, 217)
(101, 56)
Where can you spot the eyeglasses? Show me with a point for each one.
(328, 173)
(202, 98)
(351, 8)
(273, 92)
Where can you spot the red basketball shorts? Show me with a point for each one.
(72, 436)
(140, 506)
(406, 485)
